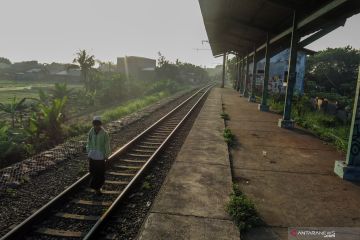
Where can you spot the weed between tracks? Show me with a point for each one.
(229, 137)
(225, 116)
(242, 210)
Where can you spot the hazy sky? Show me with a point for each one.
(53, 30)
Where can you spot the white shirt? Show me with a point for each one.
(96, 155)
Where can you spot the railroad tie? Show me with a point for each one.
(107, 191)
(90, 202)
(128, 167)
(143, 151)
(133, 161)
(147, 147)
(60, 233)
(139, 155)
(151, 143)
(116, 182)
(121, 174)
(77, 216)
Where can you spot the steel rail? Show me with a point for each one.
(92, 233)
(18, 231)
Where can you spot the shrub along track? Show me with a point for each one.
(19, 203)
(81, 214)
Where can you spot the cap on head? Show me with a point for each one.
(97, 120)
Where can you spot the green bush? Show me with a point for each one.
(168, 85)
(229, 137)
(242, 210)
(132, 106)
(225, 116)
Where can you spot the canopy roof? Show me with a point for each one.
(241, 25)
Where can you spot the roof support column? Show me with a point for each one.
(286, 121)
(237, 73)
(241, 82)
(263, 105)
(252, 97)
(350, 169)
(224, 71)
(246, 77)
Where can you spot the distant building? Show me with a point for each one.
(137, 67)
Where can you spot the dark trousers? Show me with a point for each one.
(97, 173)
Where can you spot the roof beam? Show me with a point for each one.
(321, 33)
(312, 17)
(283, 3)
(231, 22)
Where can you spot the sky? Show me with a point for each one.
(53, 30)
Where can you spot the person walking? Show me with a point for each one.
(98, 149)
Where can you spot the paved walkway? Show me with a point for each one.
(287, 173)
(191, 202)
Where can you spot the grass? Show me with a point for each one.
(117, 112)
(277, 107)
(242, 210)
(146, 185)
(225, 116)
(9, 89)
(132, 106)
(229, 137)
(327, 127)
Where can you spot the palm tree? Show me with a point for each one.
(60, 91)
(48, 121)
(85, 62)
(14, 108)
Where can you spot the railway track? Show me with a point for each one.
(77, 213)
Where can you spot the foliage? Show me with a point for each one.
(229, 137)
(12, 144)
(242, 210)
(327, 127)
(180, 72)
(15, 109)
(47, 123)
(231, 69)
(225, 116)
(132, 106)
(164, 85)
(60, 91)
(4, 60)
(85, 62)
(334, 69)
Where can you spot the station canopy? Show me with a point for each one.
(240, 26)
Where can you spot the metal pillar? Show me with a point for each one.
(246, 77)
(237, 73)
(224, 71)
(263, 105)
(241, 83)
(252, 97)
(285, 121)
(350, 169)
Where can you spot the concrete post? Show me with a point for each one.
(252, 97)
(224, 71)
(286, 121)
(263, 105)
(246, 77)
(350, 169)
(241, 82)
(237, 73)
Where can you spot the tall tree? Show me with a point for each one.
(85, 62)
(4, 60)
(335, 68)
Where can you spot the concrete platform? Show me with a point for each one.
(287, 173)
(191, 203)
